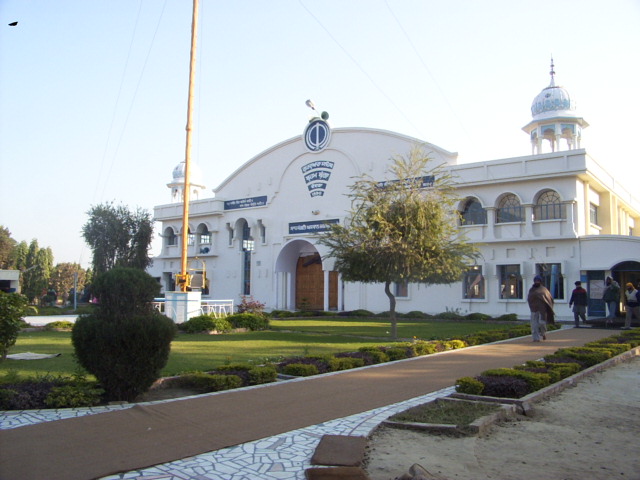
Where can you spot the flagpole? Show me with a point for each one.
(183, 279)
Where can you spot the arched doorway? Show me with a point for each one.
(302, 278)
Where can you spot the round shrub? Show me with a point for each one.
(454, 344)
(469, 385)
(125, 291)
(126, 356)
(415, 314)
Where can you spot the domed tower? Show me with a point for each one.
(554, 119)
(195, 182)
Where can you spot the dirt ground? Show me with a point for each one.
(589, 431)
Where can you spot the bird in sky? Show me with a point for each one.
(13, 24)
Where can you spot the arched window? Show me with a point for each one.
(548, 206)
(473, 213)
(170, 237)
(204, 236)
(509, 209)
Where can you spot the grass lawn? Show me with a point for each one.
(198, 352)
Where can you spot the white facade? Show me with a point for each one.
(558, 214)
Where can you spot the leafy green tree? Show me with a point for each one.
(401, 230)
(118, 237)
(19, 255)
(12, 309)
(37, 270)
(125, 343)
(7, 246)
(63, 279)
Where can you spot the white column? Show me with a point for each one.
(325, 300)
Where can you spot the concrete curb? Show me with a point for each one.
(525, 404)
(478, 427)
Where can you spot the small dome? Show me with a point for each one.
(195, 174)
(553, 101)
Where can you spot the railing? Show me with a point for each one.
(219, 308)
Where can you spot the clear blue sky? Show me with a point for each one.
(93, 94)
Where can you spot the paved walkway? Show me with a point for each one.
(273, 436)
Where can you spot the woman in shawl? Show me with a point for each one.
(541, 306)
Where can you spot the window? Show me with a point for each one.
(247, 248)
(593, 214)
(191, 239)
(473, 213)
(401, 289)
(552, 278)
(473, 283)
(509, 210)
(548, 206)
(510, 281)
(204, 235)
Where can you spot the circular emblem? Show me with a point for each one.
(317, 135)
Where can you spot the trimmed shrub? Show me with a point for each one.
(375, 354)
(205, 382)
(320, 362)
(469, 385)
(300, 369)
(477, 316)
(507, 317)
(252, 321)
(449, 316)
(586, 356)
(425, 348)
(536, 381)
(124, 291)
(59, 325)
(454, 344)
(398, 353)
(415, 314)
(504, 386)
(205, 323)
(73, 396)
(359, 313)
(615, 348)
(260, 375)
(345, 363)
(283, 314)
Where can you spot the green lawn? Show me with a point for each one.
(287, 337)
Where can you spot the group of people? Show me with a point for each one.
(541, 305)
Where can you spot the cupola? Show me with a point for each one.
(177, 184)
(554, 119)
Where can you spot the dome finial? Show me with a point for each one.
(552, 73)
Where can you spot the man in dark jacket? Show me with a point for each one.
(579, 300)
(541, 306)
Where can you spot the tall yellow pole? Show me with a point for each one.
(187, 156)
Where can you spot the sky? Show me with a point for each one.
(93, 94)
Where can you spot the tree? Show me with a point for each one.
(12, 309)
(63, 279)
(125, 343)
(7, 245)
(401, 230)
(36, 271)
(118, 237)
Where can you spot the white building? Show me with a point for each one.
(558, 214)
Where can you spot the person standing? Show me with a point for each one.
(579, 300)
(632, 304)
(611, 297)
(541, 305)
